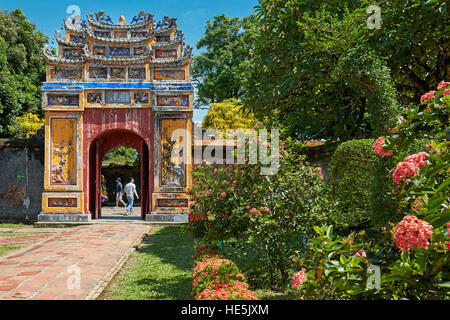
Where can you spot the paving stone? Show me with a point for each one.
(42, 271)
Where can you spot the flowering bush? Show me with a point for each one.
(235, 291)
(378, 148)
(299, 278)
(412, 232)
(216, 278)
(337, 266)
(420, 269)
(241, 203)
(409, 166)
(206, 251)
(210, 272)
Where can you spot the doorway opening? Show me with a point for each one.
(118, 154)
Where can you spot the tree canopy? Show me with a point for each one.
(333, 77)
(227, 115)
(22, 68)
(221, 70)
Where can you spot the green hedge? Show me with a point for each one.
(352, 170)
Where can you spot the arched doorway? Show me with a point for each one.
(98, 149)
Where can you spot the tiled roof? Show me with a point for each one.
(52, 58)
(118, 40)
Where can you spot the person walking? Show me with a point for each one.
(119, 193)
(130, 191)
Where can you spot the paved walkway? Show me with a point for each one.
(48, 270)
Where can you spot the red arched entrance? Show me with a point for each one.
(99, 148)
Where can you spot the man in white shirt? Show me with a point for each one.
(130, 191)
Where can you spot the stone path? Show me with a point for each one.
(48, 269)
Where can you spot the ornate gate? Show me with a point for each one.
(117, 85)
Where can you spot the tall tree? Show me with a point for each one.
(22, 68)
(227, 115)
(221, 70)
(333, 77)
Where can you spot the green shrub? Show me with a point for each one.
(352, 170)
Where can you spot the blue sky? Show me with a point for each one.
(192, 15)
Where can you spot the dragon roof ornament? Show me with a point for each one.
(101, 20)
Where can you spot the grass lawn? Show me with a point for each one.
(11, 225)
(7, 249)
(17, 234)
(161, 269)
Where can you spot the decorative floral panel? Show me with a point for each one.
(102, 34)
(120, 34)
(139, 34)
(140, 51)
(63, 152)
(173, 100)
(95, 97)
(165, 54)
(173, 203)
(62, 202)
(141, 97)
(68, 73)
(98, 50)
(63, 100)
(72, 53)
(117, 72)
(170, 75)
(98, 72)
(137, 73)
(162, 38)
(119, 51)
(74, 38)
(173, 153)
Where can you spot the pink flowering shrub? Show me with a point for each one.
(299, 278)
(235, 291)
(248, 206)
(216, 278)
(427, 96)
(211, 271)
(412, 232)
(378, 148)
(409, 166)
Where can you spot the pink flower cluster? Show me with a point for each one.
(448, 231)
(299, 278)
(428, 96)
(443, 85)
(409, 166)
(378, 148)
(360, 253)
(412, 232)
(446, 92)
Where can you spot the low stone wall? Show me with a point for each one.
(21, 179)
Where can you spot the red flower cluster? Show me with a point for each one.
(412, 232)
(427, 96)
(448, 231)
(446, 92)
(216, 278)
(299, 278)
(409, 166)
(206, 250)
(235, 291)
(197, 216)
(443, 85)
(378, 148)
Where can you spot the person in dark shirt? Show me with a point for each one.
(119, 193)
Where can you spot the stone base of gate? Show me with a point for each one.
(175, 217)
(48, 217)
